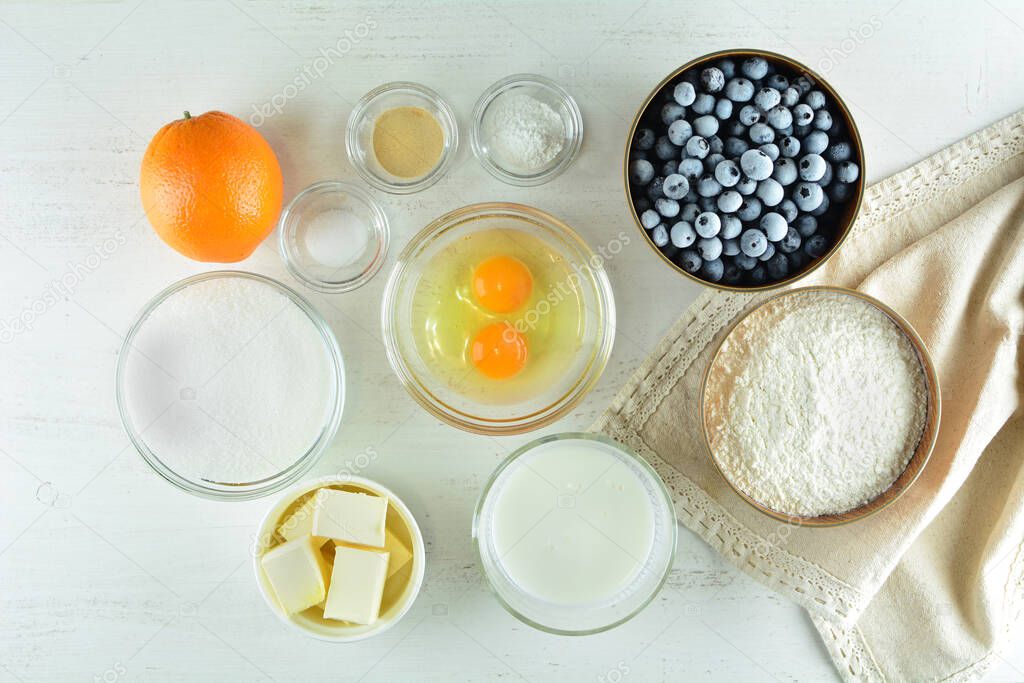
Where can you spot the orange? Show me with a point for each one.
(499, 351)
(211, 187)
(502, 283)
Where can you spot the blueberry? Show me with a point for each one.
(732, 274)
(816, 246)
(780, 118)
(774, 226)
(797, 260)
(713, 270)
(735, 128)
(690, 261)
(644, 139)
(660, 236)
(641, 171)
(669, 208)
(712, 79)
(708, 224)
(682, 234)
(707, 186)
(703, 104)
(745, 262)
(757, 276)
(777, 81)
(803, 115)
(791, 242)
(788, 130)
(756, 164)
(803, 84)
(826, 179)
(739, 90)
(766, 98)
(730, 201)
(697, 147)
(799, 131)
(669, 167)
(754, 67)
(840, 151)
(730, 247)
(746, 186)
(789, 146)
(705, 126)
(709, 248)
(684, 94)
(708, 203)
(768, 253)
(679, 132)
(753, 243)
(691, 196)
(816, 142)
(760, 133)
(731, 227)
(727, 173)
(711, 162)
(812, 168)
(815, 99)
(650, 219)
(735, 147)
(671, 111)
(770, 192)
(642, 204)
(715, 144)
(807, 196)
(777, 267)
(785, 171)
(823, 207)
(840, 192)
(788, 210)
(723, 108)
(664, 149)
(656, 188)
(691, 169)
(750, 210)
(676, 186)
(822, 119)
(847, 171)
(806, 225)
(689, 213)
(728, 68)
(749, 115)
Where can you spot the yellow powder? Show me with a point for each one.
(407, 141)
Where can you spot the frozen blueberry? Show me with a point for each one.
(671, 111)
(770, 192)
(774, 226)
(682, 234)
(705, 126)
(739, 90)
(655, 188)
(815, 99)
(789, 146)
(807, 196)
(800, 131)
(790, 96)
(734, 147)
(669, 167)
(723, 108)
(669, 208)
(691, 196)
(708, 203)
(746, 186)
(679, 132)
(840, 192)
(847, 172)
(731, 227)
(676, 186)
(641, 171)
(644, 139)
(766, 98)
(712, 79)
(756, 164)
(749, 115)
(771, 149)
(650, 219)
(690, 261)
(822, 119)
(707, 186)
(812, 168)
(791, 242)
(816, 142)
(691, 169)
(788, 210)
(777, 266)
(713, 270)
(728, 68)
(777, 81)
(816, 246)
(753, 243)
(703, 104)
(730, 247)
(727, 173)
(665, 150)
(735, 128)
(780, 118)
(760, 133)
(732, 274)
(697, 147)
(745, 262)
(797, 260)
(757, 275)
(754, 67)
(785, 171)
(684, 94)
(642, 204)
(803, 115)
(826, 178)
(709, 248)
(689, 213)
(806, 225)
(840, 151)
(803, 84)
(750, 209)
(715, 144)
(712, 161)
(768, 253)
(823, 207)
(730, 201)
(708, 224)
(660, 235)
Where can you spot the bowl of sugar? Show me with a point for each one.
(230, 385)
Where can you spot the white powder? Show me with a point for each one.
(229, 381)
(336, 238)
(819, 404)
(524, 133)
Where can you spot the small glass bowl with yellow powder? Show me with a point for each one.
(402, 137)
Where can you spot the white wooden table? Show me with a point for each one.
(107, 573)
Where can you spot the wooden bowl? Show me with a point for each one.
(841, 221)
(914, 466)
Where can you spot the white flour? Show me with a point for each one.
(827, 405)
(525, 134)
(229, 380)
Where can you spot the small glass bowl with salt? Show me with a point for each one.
(526, 130)
(333, 237)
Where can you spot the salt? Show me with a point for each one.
(525, 134)
(336, 238)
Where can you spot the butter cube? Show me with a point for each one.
(357, 585)
(397, 550)
(353, 517)
(300, 522)
(297, 572)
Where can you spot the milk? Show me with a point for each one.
(573, 522)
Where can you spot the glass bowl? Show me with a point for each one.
(443, 398)
(546, 91)
(336, 258)
(359, 134)
(135, 365)
(578, 618)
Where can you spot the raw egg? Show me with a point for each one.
(499, 351)
(502, 283)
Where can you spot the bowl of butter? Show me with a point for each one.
(339, 558)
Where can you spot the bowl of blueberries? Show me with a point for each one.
(744, 170)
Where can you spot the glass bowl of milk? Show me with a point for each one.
(576, 533)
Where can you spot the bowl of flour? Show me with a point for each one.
(820, 406)
(230, 385)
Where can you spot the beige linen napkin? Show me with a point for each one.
(929, 587)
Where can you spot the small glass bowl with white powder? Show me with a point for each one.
(333, 237)
(230, 385)
(526, 130)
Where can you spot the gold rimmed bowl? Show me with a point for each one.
(835, 223)
(716, 391)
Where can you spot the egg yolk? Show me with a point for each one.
(502, 283)
(499, 351)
